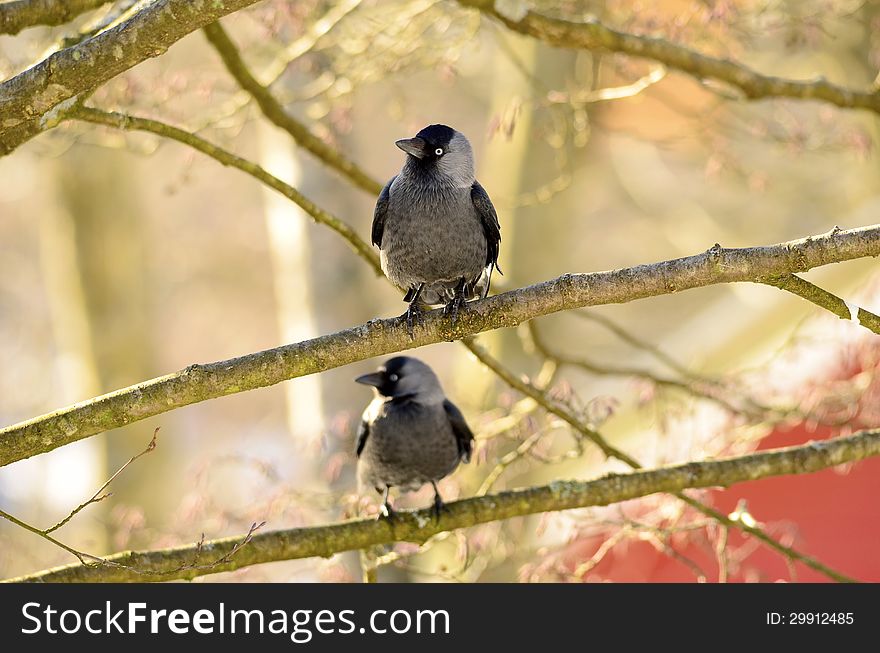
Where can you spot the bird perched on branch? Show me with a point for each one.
(410, 434)
(436, 229)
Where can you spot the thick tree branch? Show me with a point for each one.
(226, 158)
(379, 337)
(275, 113)
(419, 526)
(21, 14)
(591, 34)
(36, 99)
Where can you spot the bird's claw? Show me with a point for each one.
(453, 307)
(438, 508)
(413, 315)
(387, 512)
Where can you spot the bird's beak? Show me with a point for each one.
(374, 379)
(416, 147)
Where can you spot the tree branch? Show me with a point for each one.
(821, 297)
(276, 114)
(21, 14)
(97, 497)
(645, 346)
(384, 336)
(690, 387)
(420, 525)
(226, 158)
(82, 557)
(590, 34)
(35, 99)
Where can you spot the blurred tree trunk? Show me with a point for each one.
(76, 371)
(93, 268)
(287, 229)
(99, 293)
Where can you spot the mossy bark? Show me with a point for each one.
(186, 562)
(385, 336)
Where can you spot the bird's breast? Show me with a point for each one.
(432, 235)
(409, 445)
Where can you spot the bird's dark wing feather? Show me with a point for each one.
(363, 432)
(379, 214)
(491, 227)
(462, 431)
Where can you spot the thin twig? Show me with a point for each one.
(830, 302)
(84, 558)
(95, 498)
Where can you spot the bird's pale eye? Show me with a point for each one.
(393, 378)
(439, 151)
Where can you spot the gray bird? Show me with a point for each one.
(410, 434)
(436, 229)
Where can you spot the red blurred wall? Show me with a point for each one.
(833, 515)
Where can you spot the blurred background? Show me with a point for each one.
(126, 256)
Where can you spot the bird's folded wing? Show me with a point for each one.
(379, 214)
(463, 436)
(491, 226)
(362, 434)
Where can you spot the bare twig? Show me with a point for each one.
(84, 558)
(97, 496)
(133, 123)
(273, 110)
(821, 297)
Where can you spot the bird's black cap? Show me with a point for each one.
(385, 380)
(395, 365)
(437, 135)
(423, 144)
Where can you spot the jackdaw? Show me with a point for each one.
(410, 434)
(436, 229)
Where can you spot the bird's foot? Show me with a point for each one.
(451, 309)
(413, 315)
(438, 508)
(387, 512)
